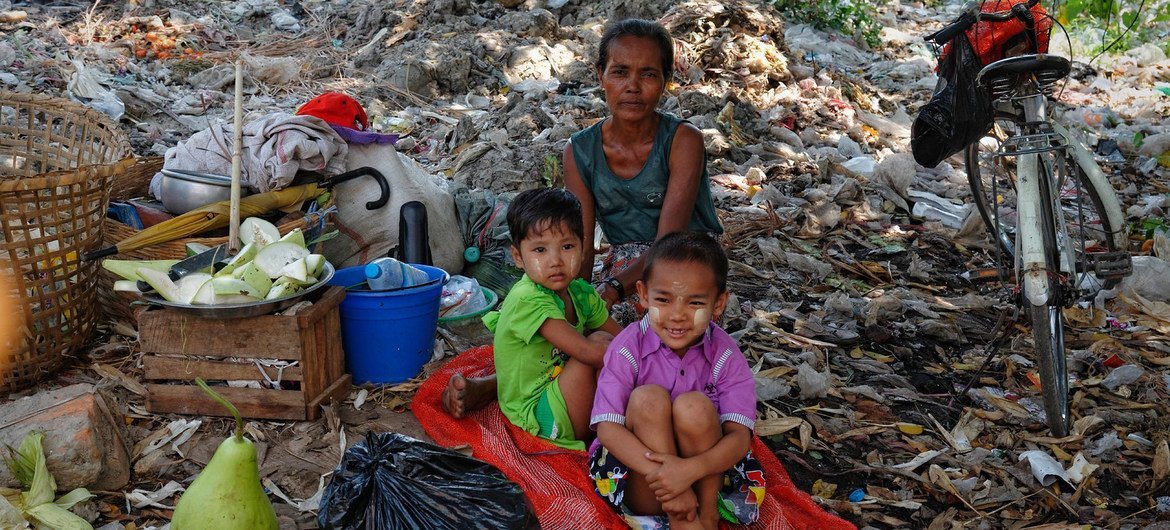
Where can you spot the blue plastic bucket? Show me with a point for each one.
(388, 335)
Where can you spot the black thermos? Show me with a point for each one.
(413, 243)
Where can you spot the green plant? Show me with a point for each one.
(1121, 24)
(852, 17)
(551, 172)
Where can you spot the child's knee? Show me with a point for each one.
(694, 412)
(651, 400)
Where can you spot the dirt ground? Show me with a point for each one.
(899, 394)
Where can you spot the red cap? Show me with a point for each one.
(337, 109)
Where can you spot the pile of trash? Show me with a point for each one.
(894, 390)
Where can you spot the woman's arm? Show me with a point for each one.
(576, 185)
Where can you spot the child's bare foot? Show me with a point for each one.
(464, 395)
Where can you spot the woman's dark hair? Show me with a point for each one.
(542, 208)
(636, 27)
(688, 247)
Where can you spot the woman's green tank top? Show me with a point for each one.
(628, 209)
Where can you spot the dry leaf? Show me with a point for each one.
(805, 435)
(773, 427)
(126, 381)
(1161, 463)
(910, 428)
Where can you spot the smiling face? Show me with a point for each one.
(683, 298)
(633, 79)
(550, 255)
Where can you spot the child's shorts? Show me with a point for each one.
(739, 498)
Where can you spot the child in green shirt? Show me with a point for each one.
(552, 329)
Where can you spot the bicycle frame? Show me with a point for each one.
(1032, 193)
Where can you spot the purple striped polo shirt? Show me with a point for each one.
(714, 366)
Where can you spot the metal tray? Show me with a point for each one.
(262, 307)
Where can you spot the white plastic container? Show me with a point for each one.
(384, 274)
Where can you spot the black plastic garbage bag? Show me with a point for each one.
(389, 481)
(958, 114)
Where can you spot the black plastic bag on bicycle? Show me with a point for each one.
(958, 114)
(390, 482)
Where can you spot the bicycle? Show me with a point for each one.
(1029, 169)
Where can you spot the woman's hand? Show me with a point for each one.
(609, 294)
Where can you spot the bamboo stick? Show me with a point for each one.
(237, 162)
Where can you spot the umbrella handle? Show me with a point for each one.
(383, 186)
(100, 253)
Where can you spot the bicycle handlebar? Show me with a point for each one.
(972, 15)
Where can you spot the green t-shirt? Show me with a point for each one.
(525, 361)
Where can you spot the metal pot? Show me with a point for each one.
(182, 191)
(250, 309)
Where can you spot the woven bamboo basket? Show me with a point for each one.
(129, 184)
(57, 163)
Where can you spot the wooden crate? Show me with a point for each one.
(180, 347)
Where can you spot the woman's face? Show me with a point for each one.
(633, 79)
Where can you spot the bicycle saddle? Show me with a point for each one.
(1047, 69)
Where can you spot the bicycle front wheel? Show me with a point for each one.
(1082, 227)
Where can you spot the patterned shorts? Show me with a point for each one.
(619, 258)
(739, 498)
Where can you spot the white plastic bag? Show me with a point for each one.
(461, 296)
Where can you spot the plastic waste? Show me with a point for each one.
(88, 86)
(391, 481)
(388, 273)
(1045, 468)
(1122, 375)
(1107, 442)
(461, 296)
(930, 206)
(812, 383)
(857, 495)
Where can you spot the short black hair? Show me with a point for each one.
(541, 208)
(688, 247)
(636, 27)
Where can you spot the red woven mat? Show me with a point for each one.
(556, 480)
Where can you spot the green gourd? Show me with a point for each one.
(227, 495)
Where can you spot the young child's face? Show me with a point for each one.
(682, 298)
(551, 255)
(633, 79)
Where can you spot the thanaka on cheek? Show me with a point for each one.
(702, 318)
(655, 316)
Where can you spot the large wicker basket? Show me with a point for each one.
(57, 162)
(135, 182)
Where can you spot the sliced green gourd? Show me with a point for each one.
(296, 236)
(257, 231)
(281, 290)
(126, 268)
(180, 292)
(195, 248)
(273, 258)
(243, 257)
(316, 264)
(255, 277)
(126, 286)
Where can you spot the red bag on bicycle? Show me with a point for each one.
(995, 40)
